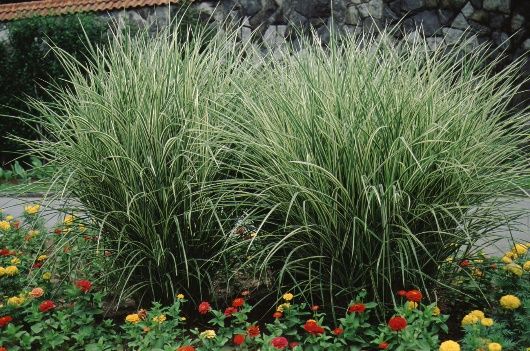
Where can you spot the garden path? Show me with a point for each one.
(15, 207)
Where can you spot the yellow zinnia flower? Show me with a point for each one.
(46, 276)
(42, 258)
(32, 209)
(15, 261)
(11, 271)
(68, 219)
(519, 249)
(493, 346)
(159, 319)
(478, 313)
(510, 302)
(283, 307)
(526, 266)
(2, 271)
(487, 322)
(288, 296)
(180, 296)
(436, 311)
(514, 269)
(411, 305)
(132, 318)
(470, 319)
(5, 226)
(507, 260)
(208, 334)
(9, 218)
(15, 301)
(449, 345)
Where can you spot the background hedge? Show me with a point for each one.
(27, 66)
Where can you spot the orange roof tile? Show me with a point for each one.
(56, 7)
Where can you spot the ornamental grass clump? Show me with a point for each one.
(131, 137)
(366, 164)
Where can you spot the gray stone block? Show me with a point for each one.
(460, 22)
(429, 22)
(497, 5)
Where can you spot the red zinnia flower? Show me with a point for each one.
(397, 323)
(293, 344)
(414, 295)
(204, 307)
(253, 331)
(313, 328)
(230, 310)
(465, 263)
(2, 348)
(5, 252)
(238, 339)
(357, 308)
(5, 320)
(186, 348)
(36, 265)
(383, 346)
(46, 306)
(279, 343)
(83, 285)
(238, 302)
(338, 331)
(16, 224)
(315, 308)
(277, 315)
(58, 231)
(402, 293)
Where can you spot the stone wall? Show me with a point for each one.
(505, 23)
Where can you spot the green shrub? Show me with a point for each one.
(366, 165)
(26, 66)
(132, 137)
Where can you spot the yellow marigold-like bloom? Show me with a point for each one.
(449, 345)
(288, 296)
(33, 233)
(283, 307)
(436, 311)
(68, 219)
(519, 249)
(11, 271)
(526, 266)
(477, 273)
(82, 228)
(506, 259)
(411, 305)
(478, 313)
(42, 258)
(46, 276)
(494, 346)
(470, 319)
(511, 254)
(182, 318)
(2, 271)
(15, 261)
(32, 209)
(449, 259)
(15, 301)
(515, 269)
(9, 218)
(207, 334)
(5, 226)
(159, 319)
(510, 302)
(487, 322)
(132, 318)
(180, 296)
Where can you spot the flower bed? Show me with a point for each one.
(51, 301)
